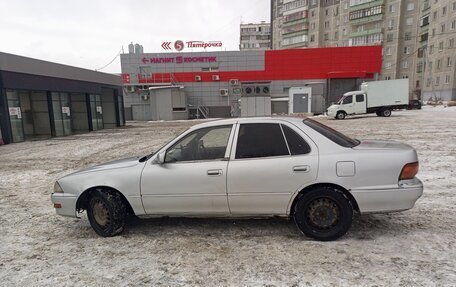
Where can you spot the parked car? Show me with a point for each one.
(414, 104)
(249, 167)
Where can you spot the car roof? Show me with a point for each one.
(247, 120)
(354, 93)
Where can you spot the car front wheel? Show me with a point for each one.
(107, 212)
(340, 116)
(323, 213)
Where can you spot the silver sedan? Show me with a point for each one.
(249, 167)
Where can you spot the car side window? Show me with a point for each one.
(359, 98)
(203, 144)
(296, 143)
(348, 100)
(260, 140)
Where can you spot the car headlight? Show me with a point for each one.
(57, 188)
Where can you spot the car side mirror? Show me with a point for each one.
(160, 158)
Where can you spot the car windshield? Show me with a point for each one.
(331, 134)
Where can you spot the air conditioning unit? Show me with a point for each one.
(234, 82)
(265, 90)
(131, 89)
(145, 97)
(248, 90)
(224, 92)
(198, 78)
(215, 78)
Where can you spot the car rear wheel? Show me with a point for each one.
(107, 212)
(340, 115)
(324, 214)
(386, 113)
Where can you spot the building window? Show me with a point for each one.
(408, 36)
(326, 24)
(442, 28)
(388, 51)
(453, 24)
(409, 21)
(410, 6)
(430, 66)
(391, 24)
(312, 26)
(437, 80)
(387, 78)
(449, 62)
(434, 16)
(388, 65)
(428, 82)
(433, 32)
(447, 80)
(431, 49)
(404, 64)
(406, 50)
(389, 37)
(392, 8)
(326, 36)
(419, 67)
(420, 53)
(312, 38)
(440, 46)
(444, 10)
(439, 64)
(451, 43)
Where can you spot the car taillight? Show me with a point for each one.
(409, 171)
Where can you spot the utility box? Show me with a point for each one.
(255, 106)
(255, 100)
(300, 100)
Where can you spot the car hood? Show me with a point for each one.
(121, 163)
(379, 144)
(333, 106)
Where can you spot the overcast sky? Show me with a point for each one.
(89, 33)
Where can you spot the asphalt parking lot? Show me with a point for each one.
(412, 248)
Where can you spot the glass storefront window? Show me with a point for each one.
(62, 113)
(96, 111)
(15, 115)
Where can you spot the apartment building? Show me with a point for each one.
(393, 24)
(438, 25)
(255, 36)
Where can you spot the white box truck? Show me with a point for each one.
(379, 97)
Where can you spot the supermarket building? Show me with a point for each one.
(182, 85)
(40, 99)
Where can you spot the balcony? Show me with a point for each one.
(367, 32)
(294, 22)
(295, 33)
(367, 19)
(367, 5)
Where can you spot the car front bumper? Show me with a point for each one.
(67, 204)
(388, 200)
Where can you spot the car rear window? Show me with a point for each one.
(331, 134)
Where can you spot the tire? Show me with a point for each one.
(107, 212)
(386, 112)
(340, 115)
(323, 213)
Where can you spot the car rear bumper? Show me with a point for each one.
(67, 204)
(387, 200)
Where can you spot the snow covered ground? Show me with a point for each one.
(39, 248)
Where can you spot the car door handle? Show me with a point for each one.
(304, 168)
(214, 172)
